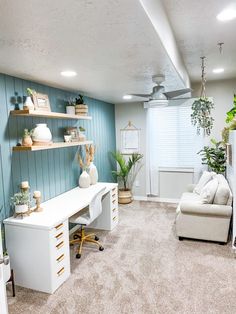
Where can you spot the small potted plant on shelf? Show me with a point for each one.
(126, 173)
(82, 136)
(28, 104)
(26, 138)
(81, 108)
(70, 107)
(21, 202)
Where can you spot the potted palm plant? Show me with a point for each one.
(125, 174)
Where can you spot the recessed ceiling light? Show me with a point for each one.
(68, 73)
(219, 70)
(127, 97)
(227, 15)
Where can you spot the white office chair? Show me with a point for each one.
(94, 210)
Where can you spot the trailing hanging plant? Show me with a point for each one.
(214, 157)
(201, 115)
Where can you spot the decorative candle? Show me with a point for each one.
(24, 184)
(37, 194)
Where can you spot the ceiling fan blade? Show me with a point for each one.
(141, 95)
(176, 93)
(181, 98)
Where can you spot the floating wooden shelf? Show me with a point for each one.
(47, 114)
(52, 146)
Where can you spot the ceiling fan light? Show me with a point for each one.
(156, 103)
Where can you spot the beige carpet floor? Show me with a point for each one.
(143, 269)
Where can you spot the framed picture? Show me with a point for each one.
(130, 139)
(73, 132)
(229, 154)
(41, 102)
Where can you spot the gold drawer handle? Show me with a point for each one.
(58, 246)
(59, 235)
(113, 190)
(114, 209)
(113, 201)
(60, 258)
(59, 226)
(114, 218)
(61, 271)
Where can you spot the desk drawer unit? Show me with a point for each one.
(60, 258)
(110, 215)
(114, 208)
(39, 257)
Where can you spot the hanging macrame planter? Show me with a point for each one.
(201, 108)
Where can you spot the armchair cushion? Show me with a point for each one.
(205, 178)
(208, 192)
(223, 191)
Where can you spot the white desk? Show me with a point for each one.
(38, 245)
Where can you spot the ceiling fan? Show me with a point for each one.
(159, 96)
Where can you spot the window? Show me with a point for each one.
(172, 141)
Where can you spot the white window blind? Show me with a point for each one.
(172, 136)
(171, 141)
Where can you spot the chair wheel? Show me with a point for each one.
(96, 238)
(78, 255)
(75, 236)
(101, 248)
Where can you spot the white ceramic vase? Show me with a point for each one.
(70, 110)
(20, 209)
(84, 180)
(93, 173)
(28, 104)
(41, 134)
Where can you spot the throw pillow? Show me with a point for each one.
(206, 177)
(208, 192)
(222, 192)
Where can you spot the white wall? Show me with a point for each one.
(222, 93)
(135, 113)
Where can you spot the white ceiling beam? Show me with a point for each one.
(157, 15)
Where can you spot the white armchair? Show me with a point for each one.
(205, 221)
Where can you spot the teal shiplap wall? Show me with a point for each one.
(50, 171)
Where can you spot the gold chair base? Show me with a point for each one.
(82, 238)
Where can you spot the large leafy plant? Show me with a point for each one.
(201, 115)
(214, 157)
(125, 167)
(232, 112)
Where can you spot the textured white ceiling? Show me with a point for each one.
(197, 32)
(112, 45)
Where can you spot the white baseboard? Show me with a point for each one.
(156, 199)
